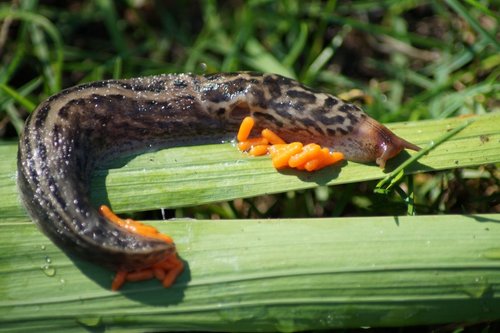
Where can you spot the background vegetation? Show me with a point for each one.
(402, 60)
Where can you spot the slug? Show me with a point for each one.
(72, 131)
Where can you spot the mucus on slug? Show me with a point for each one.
(64, 138)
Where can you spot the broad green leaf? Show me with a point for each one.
(266, 275)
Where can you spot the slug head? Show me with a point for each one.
(378, 143)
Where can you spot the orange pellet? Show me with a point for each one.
(140, 228)
(249, 143)
(245, 128)
(106, 212)
(334, 157)
(272, 137)
(258, 150)
(163, 265)
(275, 149)
(280, 159)
(324, 160)
(145, 274)
(159, 273)
(313, 165)
(169, 279)
(309, 152)
(165, 238)
(173, 273)
(133, 226)
(119, 280)
(294, 155)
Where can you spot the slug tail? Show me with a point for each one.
(166, 270)
(409, 145)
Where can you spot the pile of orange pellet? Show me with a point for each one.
(308, 157)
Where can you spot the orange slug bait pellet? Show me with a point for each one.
(309, 152)
(249, 143)
(159, 273)
(272, 137)
(258, 150)
(245, 128)
(119, 280)
(166, 270)
(275, 149)
(280, 159)
(134, 226)
(327, 158)
(173, 267)
(310, 157)
(145, 274)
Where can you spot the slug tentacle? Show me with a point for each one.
(67, 135)
(379, 143)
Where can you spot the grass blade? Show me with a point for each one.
(462, 11)
(52, 31)
(386, 184)
(26, 103)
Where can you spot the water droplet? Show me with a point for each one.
(286, 325)
(479, 288)
(62, 281)
(90, 321)
(48, 260)
(48, 270)
(203, 67)
(42, 247)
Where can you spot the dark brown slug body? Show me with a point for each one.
(72, 131)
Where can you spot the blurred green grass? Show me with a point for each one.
(413, 60)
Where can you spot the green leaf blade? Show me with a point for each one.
(250, 275)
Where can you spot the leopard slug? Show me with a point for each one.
(72, 131)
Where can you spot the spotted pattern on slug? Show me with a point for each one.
(72, 131)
